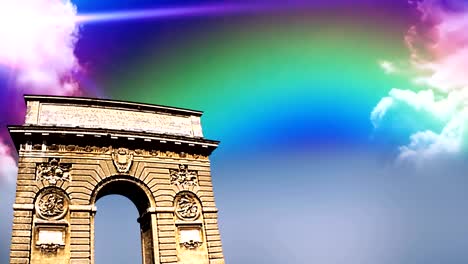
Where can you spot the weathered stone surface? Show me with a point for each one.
(15, 260)
(94, 117)
(77, 153)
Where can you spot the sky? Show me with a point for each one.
(343, 124)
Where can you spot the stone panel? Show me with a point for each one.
(94, 117)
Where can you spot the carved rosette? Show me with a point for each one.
(183, 176)
(187, 206)
(52, 204)
(53, 172)
(123, 159)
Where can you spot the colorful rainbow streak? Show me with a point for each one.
(289, 84)
(155, 13)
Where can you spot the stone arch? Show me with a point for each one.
(132, 188)
(140, 195)
(92, 147)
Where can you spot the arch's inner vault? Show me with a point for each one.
(73, 151)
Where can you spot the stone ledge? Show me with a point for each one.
(28, 207)
(210, 210)
(83, 208)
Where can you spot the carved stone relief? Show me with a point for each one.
(190, 237)
(122, 158)
(106, 150)
(183, 176)
(49, 241)
(97, 117)
(49, 248)
(192, 244)
(52, 204)
(187, 207)
(53, 171)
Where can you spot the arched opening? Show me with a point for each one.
(117, 235)
(115, 232)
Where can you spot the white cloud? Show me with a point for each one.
(380, 110)
(388, 67)
(427, 145)
(440, 66)
(38, 39)
(8, 168)
(38, 42)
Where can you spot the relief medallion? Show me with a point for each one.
(187, 207)
(52, 204)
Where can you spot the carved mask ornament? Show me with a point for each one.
(122, 158)
(53, 172)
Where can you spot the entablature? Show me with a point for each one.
(38, 135)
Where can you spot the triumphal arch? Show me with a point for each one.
(73, 151)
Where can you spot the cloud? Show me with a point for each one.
(380, 110)
(438, 63)
(388, 66)
(8, 168)
(38, 41)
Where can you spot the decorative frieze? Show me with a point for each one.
(75, 148)
(53, 171)
(109, 150)
(183, 176)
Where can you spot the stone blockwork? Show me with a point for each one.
(64, 170)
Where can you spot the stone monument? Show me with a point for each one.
(73, 151)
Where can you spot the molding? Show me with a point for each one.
(137, 154)
(210, 210)
(117, 104)
(169, 209)
(185, 223)
(112, 133)
(28, 207)
(40, 223)
(83, 208)
(155, 210)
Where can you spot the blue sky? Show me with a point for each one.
(342, 123)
